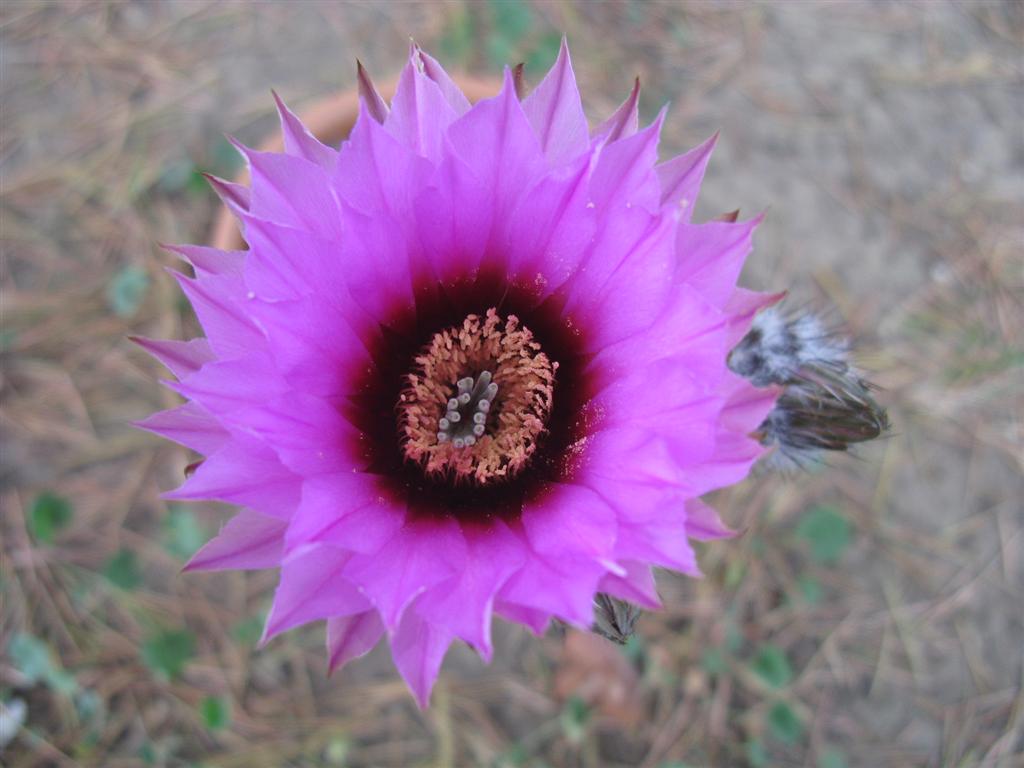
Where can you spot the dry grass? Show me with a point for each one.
(887, 140)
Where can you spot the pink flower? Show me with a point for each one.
(473, 362)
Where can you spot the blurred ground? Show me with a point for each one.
(871, 615)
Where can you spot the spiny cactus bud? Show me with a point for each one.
(825, 405)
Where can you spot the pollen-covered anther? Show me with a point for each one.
(478, 400)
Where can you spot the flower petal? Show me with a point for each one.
(569, 520)
(418, 648)
(636, 586)
(563, 587)
(345, 510)
(181, 357)
(420, 113)
(190, 425)
(452, 93)
(711, 256)
(217, 300)
(624, 122)
(292, 191)
(423, 553)
(349, 637)
(298, 141)
(312, 587)
(681, 177)
(249, 541)
(244, 472)
(704, 524)
(210, 261)
(555, 111)
(464, 603)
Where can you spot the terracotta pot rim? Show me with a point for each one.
(330, 119)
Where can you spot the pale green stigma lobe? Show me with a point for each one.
(466, 417)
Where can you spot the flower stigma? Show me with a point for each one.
(477, 401)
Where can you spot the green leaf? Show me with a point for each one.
(88, 704)
(713, 661)
(512, 18)
(183, 535)
(337, 751)
(177, 176)
(575, 717)
(31, 656)
(756, 754)
(772, 666)
(127, 289)
(784, 724)
(122, 570)
(49, 513)
(34, 659)
(167, 652)
(826, 531)
(810, 589)
(832, 757)
(248, 631)
(734, 573)
(216, 712)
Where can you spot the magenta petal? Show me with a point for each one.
(636, 586)
(309, 435)
(464, 603)
(292, 191)
(234, 196)
(249, 541)
(376, 172)
(189, 425)
(496, 142)
(645, 272)
(563, 587)
(315, 348)
(570, 519)
(704, 524)
(455, 221)
(422, 554)
(247, 473)
(313, 587)
(552, 228)
(625, 171)
(346, 510)
(181, 357)
(624, 122)
(349, 637)
(711, 256)
(225, 386)
(555, 111)
(534, 619)
(418, 648)
(420, 113)
(651, 522)
(681, 177)
(451, 92)
(211, 261)
(299, 141)
(216, 300)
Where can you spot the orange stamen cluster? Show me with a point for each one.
(486, 358)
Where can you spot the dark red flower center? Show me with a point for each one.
(524, 446)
